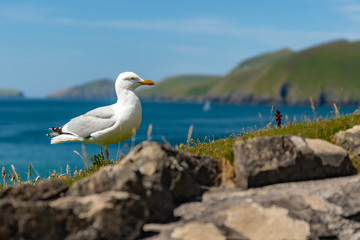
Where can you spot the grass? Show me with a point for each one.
(322, 129)
(97, 162)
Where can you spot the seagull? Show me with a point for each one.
(109, 124)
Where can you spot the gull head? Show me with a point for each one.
(130, 81)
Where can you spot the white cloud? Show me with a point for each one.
(349, 9)
(198, 26)
(213, 27)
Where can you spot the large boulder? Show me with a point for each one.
(184, 175)
(161, 175)
(268, 160)
(111, 215)
(349, 139)
(321, 209)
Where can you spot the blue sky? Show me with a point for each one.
(50, 45)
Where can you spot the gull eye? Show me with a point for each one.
(133, 78)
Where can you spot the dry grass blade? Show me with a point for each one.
(85, 163)
(3, 174)
(189, 134)
(337, 113)
(313, 107)
(261, 120)
(149, 131)
(15, 174)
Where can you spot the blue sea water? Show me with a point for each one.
(24, 124)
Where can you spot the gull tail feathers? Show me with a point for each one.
(56, 131)
(65, 138)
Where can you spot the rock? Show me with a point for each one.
(197, 231)
(48, 190)
(257, 222)
(126, 178)
(268, 160)
(183, 174)
(321, 209)
(111, 215)
(159, 174)
(349, 139)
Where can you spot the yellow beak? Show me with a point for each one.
(147, 82)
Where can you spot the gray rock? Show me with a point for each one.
(111, 215)
(268, 160)
(321, 209)
(183, 174)
(161, 175)
(48, 190)
(349, 139)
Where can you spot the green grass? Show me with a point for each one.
(181, 86)
(323, 129)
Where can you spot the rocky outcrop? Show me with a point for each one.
(157, 192)
(113, 203)
(268, 160)
(161, 175)
(322, 209)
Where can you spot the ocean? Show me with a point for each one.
(24, 125)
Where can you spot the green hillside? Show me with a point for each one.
(282, 76)
(324, 69)
(190, 86)
(98, 89)
(327, 73)
(247, 75)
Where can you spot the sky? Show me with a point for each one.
(50, 45)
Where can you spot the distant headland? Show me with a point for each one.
(11, 94)
(328, 73)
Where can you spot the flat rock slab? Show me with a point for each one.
(320, 209)
(349, 139)
(268, 160)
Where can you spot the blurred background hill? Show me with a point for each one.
(328, 73)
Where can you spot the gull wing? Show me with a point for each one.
(96, 120)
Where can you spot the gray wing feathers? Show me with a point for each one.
(101, 112)
(83, 126)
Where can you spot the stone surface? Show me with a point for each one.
(321, 209)
(159, 174)
(111, 215)
(48, 190)
(268, 160)
(349, 139)
(157, 192)
(197, 231)
(257, 222)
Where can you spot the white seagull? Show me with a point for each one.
(110, 124)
